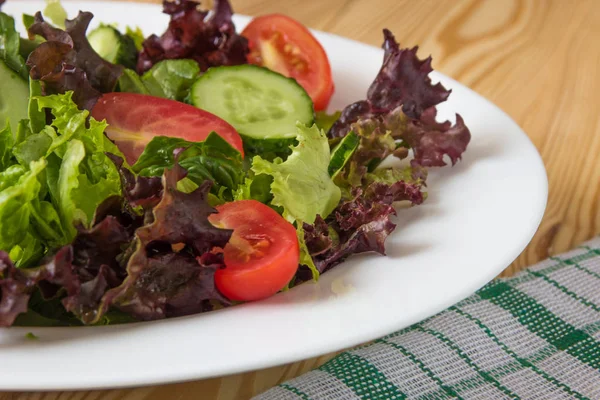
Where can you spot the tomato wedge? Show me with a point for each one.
(262, 255)
(284, 45)
(134, 119)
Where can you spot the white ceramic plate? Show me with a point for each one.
(479, 216)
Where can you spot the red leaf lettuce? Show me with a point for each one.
(208, 38)
(66, 61)
(360, 224)
(401, 104)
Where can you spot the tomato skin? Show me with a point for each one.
(134, 119)
(284, 45)
(262, 255)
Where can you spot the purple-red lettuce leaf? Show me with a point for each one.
(140, 191)
(15, 290)
(399, 115)
(170, 270)
(18, 284)
(394, 134)
(208, 38)
(403, 80)
(66, 61)
(430, 140)
(360, 224)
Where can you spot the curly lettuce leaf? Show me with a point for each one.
(29, 225)
(139, 191)
(67, 62)
(403, 81)
(431, 141)
(398, 116)
(13, 288)
(360, 224)
(76, 177)
(394, 135)
(16, 203)
(160, 281)
(301, 184)
(79, 193)
(257, 187)
(10, 176)
(209, 38)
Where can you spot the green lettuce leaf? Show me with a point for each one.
(301, 184)
(131, 82)
(324, 120)
(86, 176)
(391, 175)
(257, 188)
(171, 79)
(56, 13)
(68, 182)
(212, 159)
(6, 145)
(16, 202)
(52, 180)
(10, 43)
(28, 20)
(37, 116)
(10, 176)
(305, 257)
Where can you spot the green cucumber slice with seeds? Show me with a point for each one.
(262, 105)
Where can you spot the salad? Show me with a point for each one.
(152, 177)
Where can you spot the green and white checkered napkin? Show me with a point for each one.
(532, 336)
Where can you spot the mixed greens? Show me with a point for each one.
(131, 167)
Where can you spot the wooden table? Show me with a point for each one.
(539, 60)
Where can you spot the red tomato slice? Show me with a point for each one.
(262, 255)
(134, 119)
(284, 45)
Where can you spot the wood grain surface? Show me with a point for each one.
(539, 60)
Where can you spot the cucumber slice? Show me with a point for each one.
(113, 46)
(342, 153)
(259, 103)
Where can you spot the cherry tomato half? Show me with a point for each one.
(284, 45)
(134, 119)
(262, 255)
